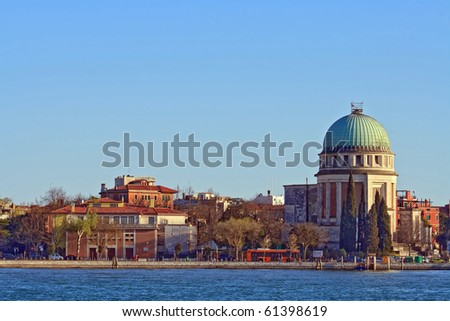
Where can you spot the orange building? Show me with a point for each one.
(139, 191)
(430, 214)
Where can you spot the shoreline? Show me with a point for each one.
(347, 266)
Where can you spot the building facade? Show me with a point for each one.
(356, 144)
(139, 191)
(269, 199)
(429, 213)
(126, 231)
(300, 203)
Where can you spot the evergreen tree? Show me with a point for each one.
(372, 230)
(384, 228)
(342, 226)
(362, 217)
(348, 218)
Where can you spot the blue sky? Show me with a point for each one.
(77, 74)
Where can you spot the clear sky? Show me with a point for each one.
(76, 74)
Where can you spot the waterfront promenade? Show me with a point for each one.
(210, 265)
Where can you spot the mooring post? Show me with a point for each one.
(354, 261)
(375, 263)
(318, 264)
(389, 263)
(403, 267)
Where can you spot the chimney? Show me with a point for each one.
(103, 188)
(72, 208)
(268, 192)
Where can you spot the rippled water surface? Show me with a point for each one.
(216, 285)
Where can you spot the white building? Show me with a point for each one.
(269, 199)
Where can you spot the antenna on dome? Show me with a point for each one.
(357, 108)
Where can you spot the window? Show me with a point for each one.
(428, 217)
(345, 160)
(116, 219)
(129, 237)
(123, 220)
(113, 205)
(151, 220)
(135, 197)
(164, 221)
(97, 205)
(130, 219)
(437, 217)
(358, 160)
(105, 219)
(378, 160)
(329, 161)
(335, 163)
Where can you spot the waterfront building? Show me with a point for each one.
(356, 144)
(127, 231)
(429, 213)
(136, 219)
(414, 233)
(300, 203)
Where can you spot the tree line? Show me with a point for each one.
(29, 234)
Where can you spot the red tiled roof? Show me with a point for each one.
(103, 200)
(164, 189)
(167, 211)
(126, 209)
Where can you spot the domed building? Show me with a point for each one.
(357, 144)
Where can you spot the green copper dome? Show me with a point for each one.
(356, 132)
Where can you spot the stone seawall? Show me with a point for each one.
(210, 265)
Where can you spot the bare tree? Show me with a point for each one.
(292, 242)
(308, 234)
(5, 200)
(102, 233)
(79, 198)
(410, 231)
(205, 216)
(30, 229)
(55, 198)
(59, 234)
(82, 226)
(266, 242)
(235, 231)
(270, 218)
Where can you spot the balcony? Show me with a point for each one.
(136, 226)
